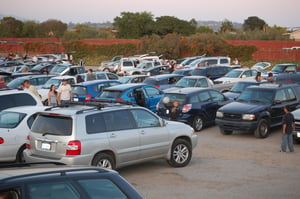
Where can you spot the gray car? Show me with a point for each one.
(110, 136)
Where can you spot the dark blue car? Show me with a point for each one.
(197, 106)
(87, 91)
(141, 94)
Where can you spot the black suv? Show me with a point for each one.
(213, 71)
(258, 108)
(48, 181)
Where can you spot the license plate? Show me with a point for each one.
(75, 99)
(46, 146)
(298, 134)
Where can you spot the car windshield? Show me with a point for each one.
(278, 68)
(240, 87)
(256, 95)
(55, 82)
(15, 83)
(58, 69)
(233, 74)
(79, 90)
(10, 119)
(54, 125)
(186, 82)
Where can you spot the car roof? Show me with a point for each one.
(188, 90)
(271, 86)
(35, 76)
(122, 87)
(194, 77)
(26, 109)
(163, 76)
(63, 77)
(45, 169)
(94, 82)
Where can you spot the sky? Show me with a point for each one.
(285, 13)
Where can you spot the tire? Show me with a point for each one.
(198, 123)
(20, 156)
(262, 130)
(106, 70)
(104, 160)
(225, 132)
(136, 73)
(181, 153)
(45, 102)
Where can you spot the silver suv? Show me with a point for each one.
(110, 136)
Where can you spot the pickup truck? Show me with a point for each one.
(291, 77)
(280, 69)
(200, 81)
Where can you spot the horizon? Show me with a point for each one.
(280, 13)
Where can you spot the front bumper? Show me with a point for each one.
(237, 125)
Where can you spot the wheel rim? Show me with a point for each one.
(263, 129)
(181, 153)
(198, 124)
(104, 163)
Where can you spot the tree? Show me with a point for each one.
(10, 27)
(226, 26)
(252, 23)
(204, 29)
(52, 28)
(133, 25)
(167, 24)
(30, 29)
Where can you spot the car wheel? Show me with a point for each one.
(103, 160)
(262, 129)
(198, 123)
(181, 153)
(20, 156)
(106, 70)
(225, 132)
(45, 102)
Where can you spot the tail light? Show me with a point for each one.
(157, 86)
(74, 148)
(119, 99)
(1, 140)
(28, 142)
(88, 97)
(186, 108)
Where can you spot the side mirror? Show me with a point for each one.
(243, 76)
(162, 122)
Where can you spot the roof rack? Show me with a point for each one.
(24, 164)
(114, 101)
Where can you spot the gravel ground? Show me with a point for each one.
(234, 166)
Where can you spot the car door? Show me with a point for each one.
(123, 137)
(153, 96)
(154, 138)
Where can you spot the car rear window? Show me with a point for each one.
(53, 125)
(169, 98)
(79, 90)
(14, 100)
(110, 94)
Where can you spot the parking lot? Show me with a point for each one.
(234, 166)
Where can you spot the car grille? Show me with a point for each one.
(232, 116)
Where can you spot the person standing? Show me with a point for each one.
(2, 83)
(31, 88)
(90, 75)
(174, 111)
(64, 93)
(81, 63)
(288, 126)
(52, 96)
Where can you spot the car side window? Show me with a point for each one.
(51, 190)
(291, 94)
(101, 188)
(145, 119)
(204, 96)
(194, 99)
(31, 120)
(111, 76)
(118, 120)
(216, 97)
(101, 76)
(152, 91)
(95, 123)
(201, 83)
(280, 95)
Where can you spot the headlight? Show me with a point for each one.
(219, 114)
(248, 117)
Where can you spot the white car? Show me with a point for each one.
(56, 81)
(15, 124)
(236, 75)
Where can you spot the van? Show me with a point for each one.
(208, 61)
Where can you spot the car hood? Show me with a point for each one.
(243, 108)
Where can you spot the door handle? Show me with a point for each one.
(113, 135)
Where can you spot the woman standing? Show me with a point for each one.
(52, 96)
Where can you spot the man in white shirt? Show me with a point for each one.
(64, 93)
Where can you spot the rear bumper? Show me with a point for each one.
(84, 160)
